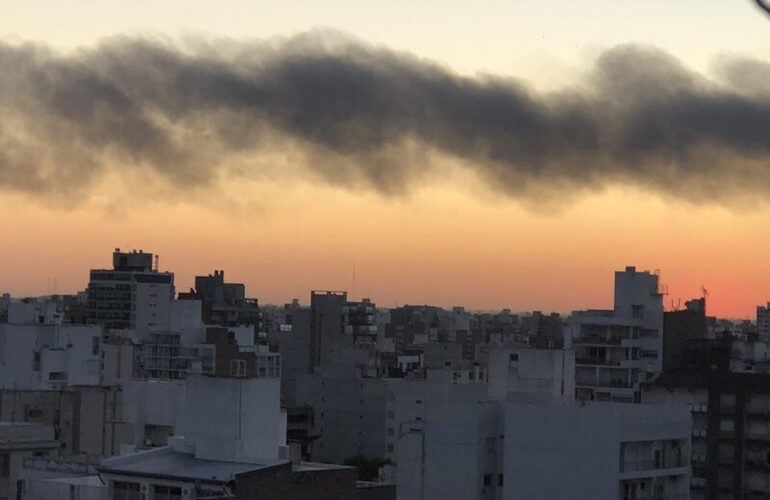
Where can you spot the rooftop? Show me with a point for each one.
(93, 481)
(172, 464)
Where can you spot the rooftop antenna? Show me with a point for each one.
(353, 295)
(762, 4)
(157, 258)
(704, 293)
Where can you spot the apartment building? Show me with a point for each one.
(133, 295)
(617, 349)
(596, 450)
(731, 430)
(19, 440)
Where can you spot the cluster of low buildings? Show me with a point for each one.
(131, 390)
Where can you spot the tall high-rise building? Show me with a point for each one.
(616, 350)
(133, 295)
(336, 324)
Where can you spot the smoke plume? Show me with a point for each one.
(362, 115)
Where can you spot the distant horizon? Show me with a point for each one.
(668, 305)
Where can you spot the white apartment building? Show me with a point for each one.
(349, 414)
(465, 448)
(133, 295)
(455, 451)
(151, 411)
(356, 415)
(19, 440)
(49, 356)
(35, 312)
(588, 451)
(548, 372)
(616, 350)
(235, 418)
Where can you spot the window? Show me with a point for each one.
(3, 464)
(500, 480)
(487, 480)
(123, 490)
(95, 346)
(33, 413)
(237, 368)
(57, 376)
(161, 492)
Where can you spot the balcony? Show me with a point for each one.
(619, 383)
(645, 465)
(757, 438)
(758, 414)
(673, 466)
(597, 339)
(597, 361)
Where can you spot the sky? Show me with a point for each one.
(488, 154)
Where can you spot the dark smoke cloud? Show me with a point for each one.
(364, 115)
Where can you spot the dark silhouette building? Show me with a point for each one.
(224, 304)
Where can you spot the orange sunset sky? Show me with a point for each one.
(450, 237)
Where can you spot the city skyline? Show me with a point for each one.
(186, 284)
(433, 220)
(384, 250)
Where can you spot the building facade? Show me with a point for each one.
(616, 350)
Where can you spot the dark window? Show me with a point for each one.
(3, 464)
(237, 368)
(123, 490)
(34, 413)
(166, 492)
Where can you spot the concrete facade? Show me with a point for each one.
(616, 350)
(598, 450)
